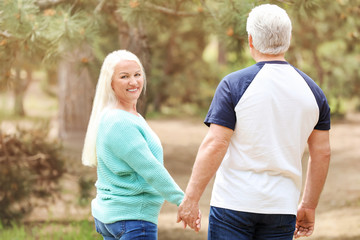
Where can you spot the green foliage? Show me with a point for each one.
(68, 29)
(84, 230)
(28, 30)
(33, 32)
(23, 34)
(325, 46)
(230, 23)
(30, 167)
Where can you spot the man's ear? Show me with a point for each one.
(250, 41)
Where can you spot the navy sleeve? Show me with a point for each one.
(228, 94)
(324, 108)
(221, 110)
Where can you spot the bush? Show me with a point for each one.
(30, 167)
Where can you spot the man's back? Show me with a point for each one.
(275, 109)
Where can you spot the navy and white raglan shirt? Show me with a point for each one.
(272, 107)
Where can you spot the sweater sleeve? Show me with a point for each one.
(127, 142)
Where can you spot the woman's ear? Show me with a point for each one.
(112, 87)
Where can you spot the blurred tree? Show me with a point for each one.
(176, 35)
(55, 32)
(325, 45)
(171, 39)
(76, 78)
(22, 44)
(31, 32)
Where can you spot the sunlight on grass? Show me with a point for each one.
(37, 105)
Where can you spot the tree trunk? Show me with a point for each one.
(19, 105)
(76, 93)
(20, 86)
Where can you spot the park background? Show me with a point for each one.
(50, 56)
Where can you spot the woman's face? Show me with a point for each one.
(127, 81)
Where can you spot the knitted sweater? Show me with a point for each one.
(132, 181)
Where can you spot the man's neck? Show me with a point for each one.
(260, 57)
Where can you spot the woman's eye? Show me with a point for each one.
(137, 75)
(123, 77)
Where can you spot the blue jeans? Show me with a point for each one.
(228, 224)
(127, 230)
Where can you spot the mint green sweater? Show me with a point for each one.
(132, 180)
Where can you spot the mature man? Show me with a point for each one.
(260, 119)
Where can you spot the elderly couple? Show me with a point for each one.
(260, 121)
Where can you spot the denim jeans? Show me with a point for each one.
(228, 224)
(127, 230)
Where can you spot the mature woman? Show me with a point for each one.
(132, 181)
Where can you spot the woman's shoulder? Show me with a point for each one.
(119, 126)
(119, 118)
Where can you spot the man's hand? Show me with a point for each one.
(190, 214)
(305, 222)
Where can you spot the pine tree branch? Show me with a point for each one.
(210, 11)
(48, 3)
(99, 6)
(170, 11)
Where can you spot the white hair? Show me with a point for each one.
(104, 97)
(270, 29)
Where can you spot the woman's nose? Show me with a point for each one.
(133, 80)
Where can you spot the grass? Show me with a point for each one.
(76, 230)
(79, 230)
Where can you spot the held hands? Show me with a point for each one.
(305, 222)
(189, 213)
(198, 223)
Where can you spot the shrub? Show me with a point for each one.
(30, 167)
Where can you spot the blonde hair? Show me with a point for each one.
(104, 97)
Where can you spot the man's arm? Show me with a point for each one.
(209, 157)
(319, 150)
